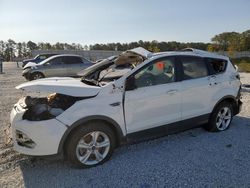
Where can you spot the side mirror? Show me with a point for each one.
(130, 84)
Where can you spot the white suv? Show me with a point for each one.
(134, 96)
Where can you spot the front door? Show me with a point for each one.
(55, 67)
(156, 98)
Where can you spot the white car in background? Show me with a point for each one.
(134, 96)
(58, 65)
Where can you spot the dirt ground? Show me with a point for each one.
(21, 171)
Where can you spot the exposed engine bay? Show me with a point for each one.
(47, 107)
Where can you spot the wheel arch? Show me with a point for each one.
(39, 72)
(231, 99)
(120, 138)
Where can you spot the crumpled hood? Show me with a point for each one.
(63, 85)
(140, 51)
(30, 64)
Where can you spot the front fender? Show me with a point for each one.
(115, 126)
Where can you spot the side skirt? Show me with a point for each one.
(167, 129)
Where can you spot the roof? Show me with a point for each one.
(63, 55)
(191, 52)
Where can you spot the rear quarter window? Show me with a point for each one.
(216, 66)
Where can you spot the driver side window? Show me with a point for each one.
(159, 72)
(55, 61)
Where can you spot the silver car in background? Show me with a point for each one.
(56, 66)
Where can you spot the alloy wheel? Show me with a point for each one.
(223, 118)
(92, 148)
(37, 76)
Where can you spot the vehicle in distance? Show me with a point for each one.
(56, 66)
(37, 59)
(135, 96)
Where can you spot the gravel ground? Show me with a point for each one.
(193, 158)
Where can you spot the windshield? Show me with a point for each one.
(36, 56)
(104, 72)
(46, 60)
(96, 66)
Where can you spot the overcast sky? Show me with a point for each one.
(104, 21)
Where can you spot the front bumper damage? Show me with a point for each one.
(26, 74)
(35, 137)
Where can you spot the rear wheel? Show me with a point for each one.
(37, 75)
(90, 145)
(221, 118)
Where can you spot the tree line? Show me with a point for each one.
(227, 41)
(230, 41)
(10, 49)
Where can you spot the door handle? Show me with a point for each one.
(171, 92)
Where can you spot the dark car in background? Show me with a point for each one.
(56, 66)
(37, 59)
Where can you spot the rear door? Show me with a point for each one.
(196, 90)
(74, 64)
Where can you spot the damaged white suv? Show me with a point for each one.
(134, 96)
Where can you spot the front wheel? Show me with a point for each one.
(221, 118)
(37, 75)
(91, 145)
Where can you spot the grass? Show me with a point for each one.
(242, 63)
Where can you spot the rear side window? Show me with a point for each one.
(216, 66)
(72, 60)
(193, 67)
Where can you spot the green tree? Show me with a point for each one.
(19, 48)
(31, 46)
(9, 52)
(245, 41)
(227, 41)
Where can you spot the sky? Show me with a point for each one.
(106, 21)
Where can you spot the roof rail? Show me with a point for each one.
(195, 51)
(202, 52)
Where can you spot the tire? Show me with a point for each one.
(36, 75)
(221, 118)
(90, 145)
